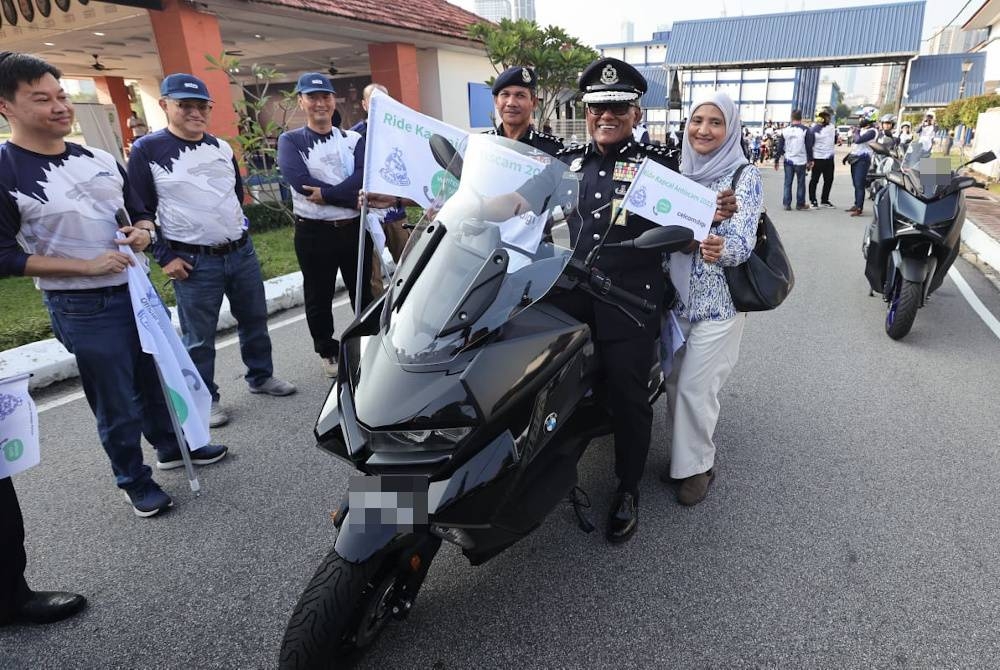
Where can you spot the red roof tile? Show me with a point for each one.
(437, 17)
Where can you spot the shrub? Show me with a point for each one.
(268, 217)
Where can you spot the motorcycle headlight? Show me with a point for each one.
(419, 440)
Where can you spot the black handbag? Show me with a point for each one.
(766, 278)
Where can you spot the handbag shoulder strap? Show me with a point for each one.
(738, 173)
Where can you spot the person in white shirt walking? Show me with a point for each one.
(795, 144)
(824, 139)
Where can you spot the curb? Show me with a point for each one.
(987, 248)
(48, 361)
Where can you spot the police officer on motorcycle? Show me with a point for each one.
(515, 101)
(625, 343)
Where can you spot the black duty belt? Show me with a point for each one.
(214, 250)
(336, 223)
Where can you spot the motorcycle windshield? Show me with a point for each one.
(496, 246)
(929, 175)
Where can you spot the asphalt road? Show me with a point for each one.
(853, 523)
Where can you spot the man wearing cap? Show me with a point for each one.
(191, 180)
(59, 199)
(606, 166)
(824, 139)
(324, 166)
(515, 101)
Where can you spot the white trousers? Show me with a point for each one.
(700, 369)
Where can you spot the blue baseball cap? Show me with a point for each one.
(312, 82)
(183, 86)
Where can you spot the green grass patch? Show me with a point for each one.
(25, 319)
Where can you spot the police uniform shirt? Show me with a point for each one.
(62, 206)
(604, 179)
(193, 186)
(333, 161)
(550, 144)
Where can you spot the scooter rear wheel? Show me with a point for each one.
(341, 611)
(903, 306)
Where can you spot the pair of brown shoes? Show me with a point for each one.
(852, 210)
(857, 212)
(690, 490)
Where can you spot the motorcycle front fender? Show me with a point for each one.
(358, 541)
(912, 269)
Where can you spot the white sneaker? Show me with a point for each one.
(218, 417)
(274, 386)
(330, 366)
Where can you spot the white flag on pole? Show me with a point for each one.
(185, 390)
(668, 198)
(18, 427)
(398, 158)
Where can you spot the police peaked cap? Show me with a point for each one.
(611, 80)
(515, 76)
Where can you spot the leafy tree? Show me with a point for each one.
(257, 141)
(843, 112)
(973, 107)
(556, 57)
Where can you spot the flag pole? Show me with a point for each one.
(362, 231)
(178, 432)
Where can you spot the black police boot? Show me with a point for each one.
(46, 607)
(623, 519)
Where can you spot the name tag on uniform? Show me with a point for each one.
(625, 171)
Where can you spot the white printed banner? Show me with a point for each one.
(398, 158)
(19, 449)
(668, 198)
(185, 390)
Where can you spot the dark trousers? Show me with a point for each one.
(322, 249)
(858, 172)
(625, 366)
(822, 167)
(13, 588)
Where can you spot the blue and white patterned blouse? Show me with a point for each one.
(709, 297)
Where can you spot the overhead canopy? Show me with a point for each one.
(656, 93)
(888, 33)
(936, 80)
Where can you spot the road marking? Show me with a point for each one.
(222, 344)
(974, 302)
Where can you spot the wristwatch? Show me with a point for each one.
(152, 235)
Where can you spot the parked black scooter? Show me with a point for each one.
(464, 399)
(915, 235)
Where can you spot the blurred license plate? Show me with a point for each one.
(397, 500)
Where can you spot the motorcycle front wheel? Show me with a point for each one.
(342, 611)
(903, 306)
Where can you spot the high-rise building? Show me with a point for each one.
(494, 10)
(628, 31)
(953, 40)
(524, 9)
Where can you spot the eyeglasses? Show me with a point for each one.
(188, 106)
(616, 108)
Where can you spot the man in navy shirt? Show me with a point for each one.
(59, 199)
(190, 179)
(324, 167)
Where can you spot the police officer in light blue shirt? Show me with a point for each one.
(190, 179)
(59, 200)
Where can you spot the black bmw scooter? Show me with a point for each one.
(916, 233)
(464, 399)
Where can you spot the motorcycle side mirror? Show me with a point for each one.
(984, 157)
(446, 155)
(896, 178)
(664, 238)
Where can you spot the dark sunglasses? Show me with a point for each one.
(616, 108)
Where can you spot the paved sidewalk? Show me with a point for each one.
(982, 226)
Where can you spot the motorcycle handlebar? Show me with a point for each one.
(602, 286)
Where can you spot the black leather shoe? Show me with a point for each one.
(48, 607)
(624, 517)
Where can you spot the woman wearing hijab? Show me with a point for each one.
(704, 313)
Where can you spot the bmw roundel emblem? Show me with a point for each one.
(551, 421)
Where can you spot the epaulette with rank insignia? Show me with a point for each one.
(572, 149)
(661, 154)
